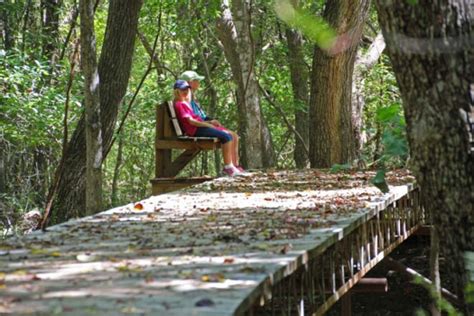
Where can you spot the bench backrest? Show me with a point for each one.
(174, 119)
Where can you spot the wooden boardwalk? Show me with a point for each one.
(225, 247)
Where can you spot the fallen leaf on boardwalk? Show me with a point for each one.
(211, 218)
(36, 251)
(86, 257)
(284, 250)
(229, 260)
(204, 302)
(138, 207)
(114, 218)
(131, 310)
(149, 278)
(215, 277)
(113, 259)
(150, 216)
(261, 247)
(2, 280)
(127, 268)
(19, 272)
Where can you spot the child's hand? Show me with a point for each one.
(215, 123)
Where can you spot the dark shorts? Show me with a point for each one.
(212, 132)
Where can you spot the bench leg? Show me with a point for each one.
(163, 162)
(181, 161)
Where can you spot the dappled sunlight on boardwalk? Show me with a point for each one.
(213, 249)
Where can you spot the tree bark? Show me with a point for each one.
(114, 71)
(331, 136)
(363, 64)
(299, 81)
(8, 39)
(430, 47)
(50, 27)
(115, 180)
(3, 183)
(94, 148)
(233, 29)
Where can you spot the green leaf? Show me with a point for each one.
(389, 113)
(379, 181)
(337, 167)
(315, 28)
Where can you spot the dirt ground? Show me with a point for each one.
(403, 297)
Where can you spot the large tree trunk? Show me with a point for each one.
(114, 71)
(430, 46)
(331, 136)
(363, 64)
(94, 148)
(299, 81)
(233, 29)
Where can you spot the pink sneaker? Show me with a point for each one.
(231, 172)
(240, 168)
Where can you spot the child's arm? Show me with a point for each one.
(198, 123)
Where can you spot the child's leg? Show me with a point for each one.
(227, 153)
(235, 149)
(224, 137)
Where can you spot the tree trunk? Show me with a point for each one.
(118, 164)
(299, 81)
(212, 92)
(114, 71)
(331, 136)
(94, 148)
(50, 27)
(233, 29)
(3, 177)
(363, 64)
(8, 40)
(430, 47)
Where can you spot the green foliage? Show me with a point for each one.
(384, 121)
(32, 98)
(443, 305)
(32, 109)
(315, 28)
(394, 140)
(470, 293)
(379, 181)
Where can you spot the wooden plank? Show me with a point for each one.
(181, 144)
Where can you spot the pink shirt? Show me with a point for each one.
(184, 112)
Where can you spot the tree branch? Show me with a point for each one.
(283, 115)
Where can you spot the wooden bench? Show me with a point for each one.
(169, 137)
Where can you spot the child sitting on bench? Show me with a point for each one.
(193, 125)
